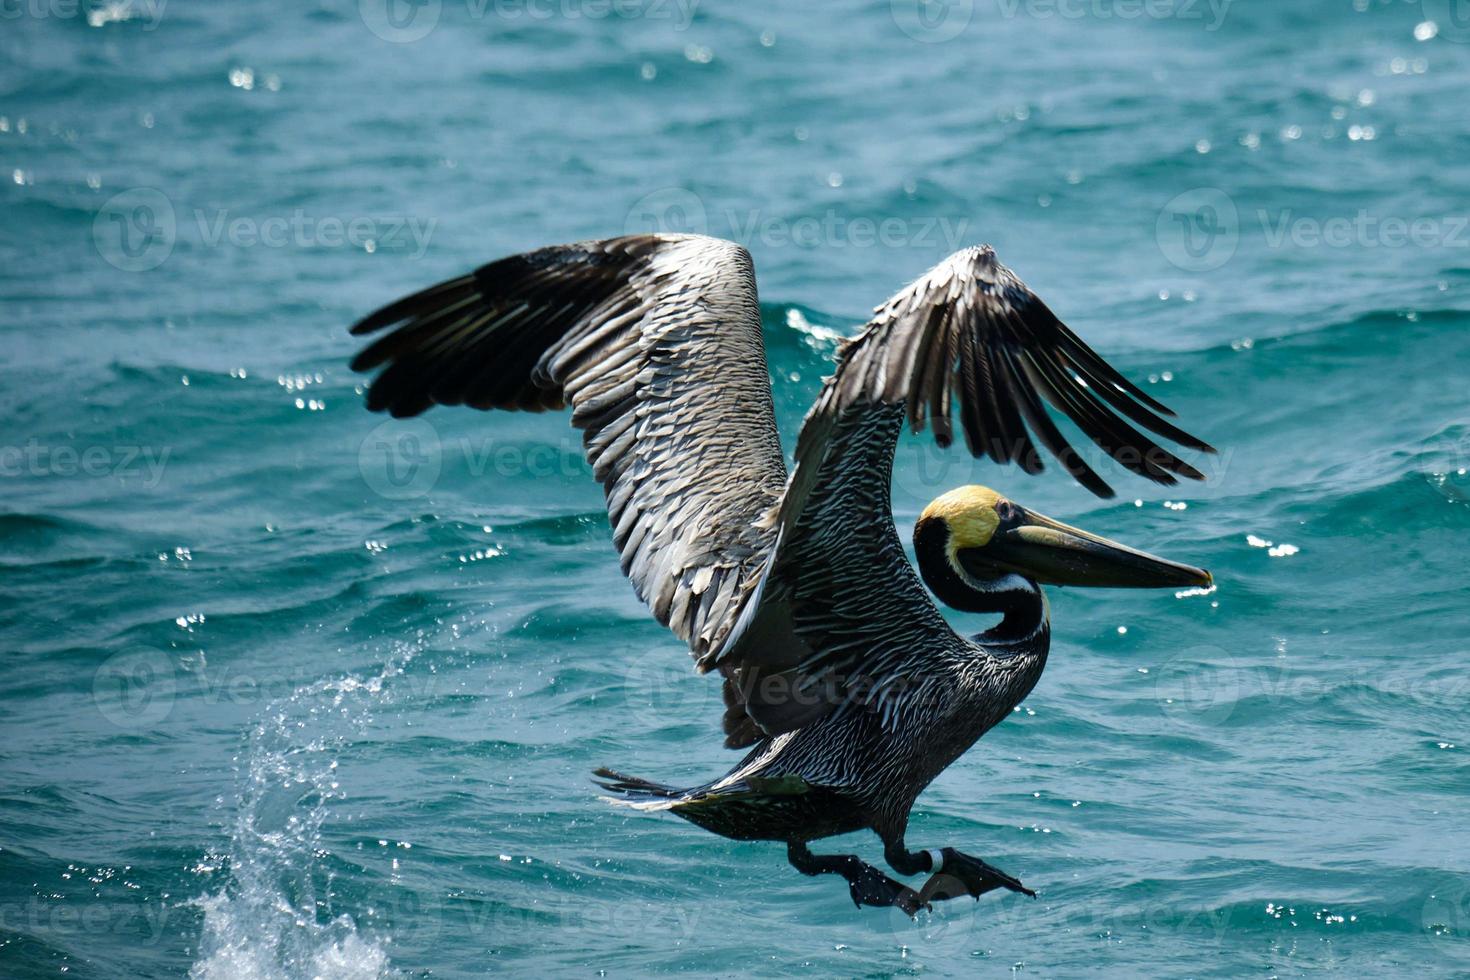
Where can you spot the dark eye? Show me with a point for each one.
(1005, 510)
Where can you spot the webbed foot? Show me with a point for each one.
(869, 886)
(962, 874)
(866, 884)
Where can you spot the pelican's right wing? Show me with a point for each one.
(839, 607)
(655, 340)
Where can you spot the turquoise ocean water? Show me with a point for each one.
(287, 692)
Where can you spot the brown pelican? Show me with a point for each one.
(840, 675)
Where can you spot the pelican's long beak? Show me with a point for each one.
(1053, 553)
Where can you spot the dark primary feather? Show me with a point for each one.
(478, 339)
(971, 327)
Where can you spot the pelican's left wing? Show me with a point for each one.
(839, 601)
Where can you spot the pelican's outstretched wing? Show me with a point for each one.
(839, 600)
(655, 341)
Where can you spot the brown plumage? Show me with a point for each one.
(839, 671)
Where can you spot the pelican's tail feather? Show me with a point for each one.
(641, 794)
(753, 808)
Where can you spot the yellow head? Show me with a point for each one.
(969, 514)
(972, 536)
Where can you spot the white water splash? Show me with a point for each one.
(274, 919)
(247, 939)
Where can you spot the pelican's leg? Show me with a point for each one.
(957, 873)
(867, 884)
